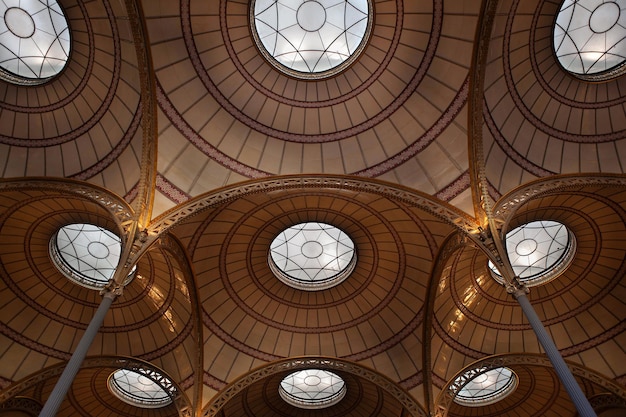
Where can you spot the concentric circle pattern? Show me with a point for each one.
(315, 217)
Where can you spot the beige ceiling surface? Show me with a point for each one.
(86, 123)
(537, 119)
(169, 128)
(398, 113)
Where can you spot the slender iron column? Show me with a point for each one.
(565, 375)
(66, 379)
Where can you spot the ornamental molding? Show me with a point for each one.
(27, 405)
(510, 203)
(446, 396)
(121, 212)
(425, 202)
(234, 388)
(181, 401)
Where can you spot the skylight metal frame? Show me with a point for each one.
(311, 54)
(335, 260)
(36, 58)
(588, 53)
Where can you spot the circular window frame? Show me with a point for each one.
(465, 379)
(311, 284)
(157, 379)
(301, 401)
(598, 76)
(313, 76)
(551, 272)
(23, 80)
(77, 277)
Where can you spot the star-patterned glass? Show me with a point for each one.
(145, 388)
(312, 256)
(34, 40)
(539, 251)
(483, 386)
(87, 254)
(312, 388)
(311, 38)
(590, 38)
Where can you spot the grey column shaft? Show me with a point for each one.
(71, 369)
(565, 375)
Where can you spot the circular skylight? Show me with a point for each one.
(483, 386)
(34, 40)
(312, 256)
(311, 38)
(312, 388)
(145, 388)
(538, 251)
(590, 37)
(87, 254)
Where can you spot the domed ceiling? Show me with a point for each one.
(170, 128)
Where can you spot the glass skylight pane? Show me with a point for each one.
(482, 386)
(312, 388)
(312, 256)
(87, 254)
(590, 37)
(145, 388)
(34, 39)
(314, 38)
(538, 251)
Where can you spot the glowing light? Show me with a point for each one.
(312, 388)
(310, 38)
(590, 37)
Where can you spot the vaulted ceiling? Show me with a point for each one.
(455, 118)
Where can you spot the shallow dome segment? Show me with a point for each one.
(312, 388)
(312, 256)
(590, 38)
(34, 40)
(311, 38)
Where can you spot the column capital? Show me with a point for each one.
(516, 288)
(112, 289)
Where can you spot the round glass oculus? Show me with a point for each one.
(589, 38)
(311, 38)
(312, 256)
(145, 388)
(312, 388)
(539, 251)
(483, 386)
(34, 40)
(87, 254)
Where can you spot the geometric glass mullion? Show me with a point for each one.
(483, 386)
(538, 251)
(141, 387)
(589, 38)
(34, 40)
(312, 256)
(310, 38)
(87, 254)
(312, 388)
